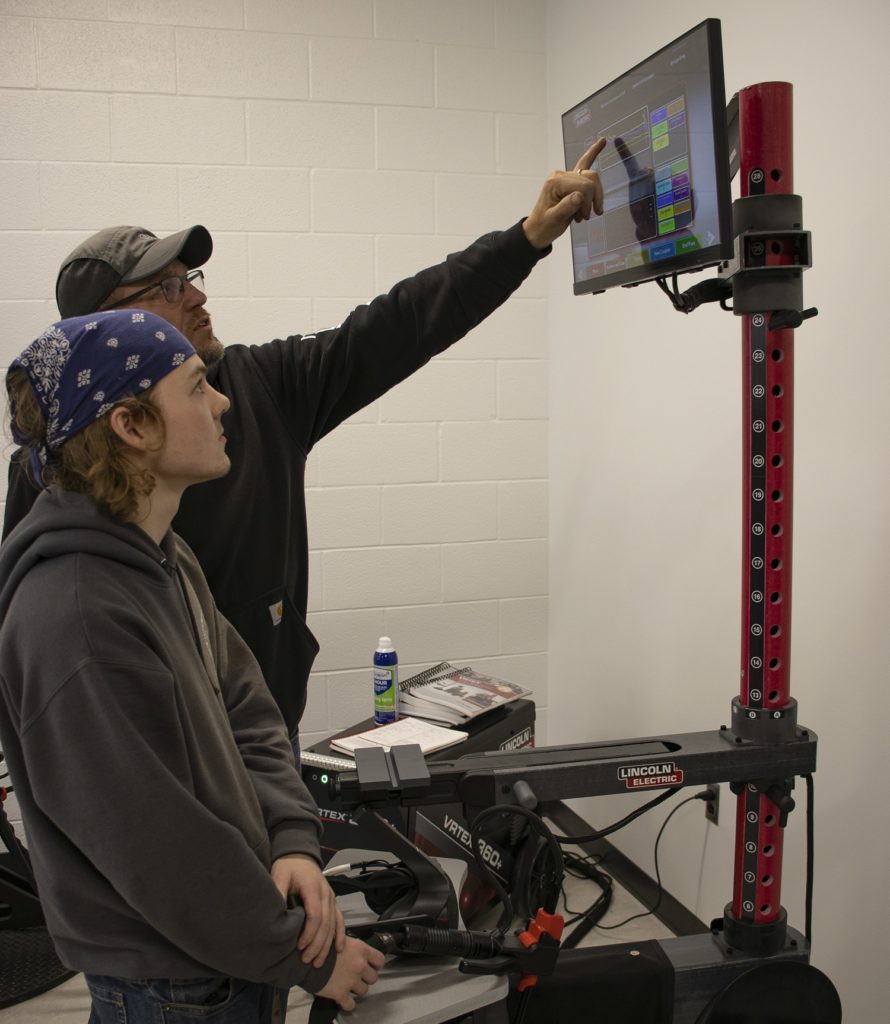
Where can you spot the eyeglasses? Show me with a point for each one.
(172, 287)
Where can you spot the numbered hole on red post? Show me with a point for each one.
(769, 819)
(777, 355)
(775, 597)
(766, 880)
(777, 390)
(773, 696)
(775, 563)
(775, 247)
(777, 529)
(766, 909)
(777, 460)
(777, 495)
(775, 631)
(775, 663)
(777, 426)
(769, 850)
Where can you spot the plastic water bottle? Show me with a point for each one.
(386, 682)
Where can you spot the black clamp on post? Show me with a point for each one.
(763, 725)
(757, 939)
(764, 225)
(778, 791)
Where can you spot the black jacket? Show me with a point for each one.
(249, 528)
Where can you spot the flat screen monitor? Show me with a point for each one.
(665, 169)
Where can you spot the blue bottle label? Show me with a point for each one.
(386, 706)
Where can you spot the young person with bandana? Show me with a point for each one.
(167, 826)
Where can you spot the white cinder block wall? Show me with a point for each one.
(332, 147)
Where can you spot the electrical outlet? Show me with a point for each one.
(712, 804)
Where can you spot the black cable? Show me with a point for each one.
(590, 917)
(657, 903)
(626, 820)
(370, 872)
(417, 938)
(808, 904)
(715, 289)
(538, 825)
(383, 884)
(506, 918)
(582, 865)
(663, 285)
(523, 1005)
(573, 916)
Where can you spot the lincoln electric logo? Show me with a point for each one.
(520, 740)
(647, 776)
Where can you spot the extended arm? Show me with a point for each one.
(318, 380)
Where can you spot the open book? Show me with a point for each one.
(405, 730)
(453, 695)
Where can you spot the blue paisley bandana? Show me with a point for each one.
(81, 368)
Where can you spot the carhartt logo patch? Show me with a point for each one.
(277, 612)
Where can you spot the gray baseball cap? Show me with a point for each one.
(122, 255)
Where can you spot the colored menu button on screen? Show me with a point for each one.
(662, 251)
(688, 244)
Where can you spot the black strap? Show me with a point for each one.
(324, 1011)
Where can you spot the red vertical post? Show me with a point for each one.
(766, 167)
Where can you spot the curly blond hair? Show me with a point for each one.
(95, 462)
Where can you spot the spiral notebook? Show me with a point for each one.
(454, 695)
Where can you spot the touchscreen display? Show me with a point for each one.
(664, 171)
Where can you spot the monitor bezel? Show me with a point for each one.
(723, 249)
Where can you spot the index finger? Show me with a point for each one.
(584, 164)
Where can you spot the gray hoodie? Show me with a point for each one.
(152, 767)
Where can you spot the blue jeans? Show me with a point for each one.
(186, 1001)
